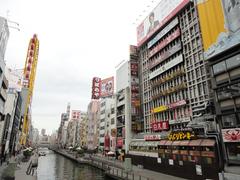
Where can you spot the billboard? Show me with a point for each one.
(107, 87)
(96, 82)
(220, 25)
(76, 114)
(15, 79)
(164, 11)
(231, 135)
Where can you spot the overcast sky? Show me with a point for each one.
(79, 39)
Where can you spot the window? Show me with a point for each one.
(112, 110)
(112, 121)
(233, 61)
(229, 120)
(233, 151)
(219, 67)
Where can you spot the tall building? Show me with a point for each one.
(107, 130)
(91, 124)
(4, 35)
(43, 132)
(221, 43)
(175, 92)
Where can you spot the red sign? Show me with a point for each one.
(231, 135)
(96, 83)
(176, 104)
(152, 137)
(134, 69)
(160, 126)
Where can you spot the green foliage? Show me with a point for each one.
(27, 153)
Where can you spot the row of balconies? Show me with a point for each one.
(170, 90)
(168, 77)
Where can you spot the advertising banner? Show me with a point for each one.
(96, 82)
(76, 114)
(15, 79)
(220, 25)
(107, 87)
(164, 11)
(160, 126)
(231, 135)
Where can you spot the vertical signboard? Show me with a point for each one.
(135, 96)
(220, 25)
(96, 83)
(107, 87)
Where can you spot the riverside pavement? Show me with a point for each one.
(147, 174)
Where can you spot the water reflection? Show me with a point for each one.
(56, 167)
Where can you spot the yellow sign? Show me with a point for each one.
(160, 109)
(175, 136)
(220, 25)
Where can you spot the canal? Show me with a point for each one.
(56, 167)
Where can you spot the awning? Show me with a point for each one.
(208, 142)
(162, 142)
(176, 143)
(195, 142)
(184, 143)
(168, 143)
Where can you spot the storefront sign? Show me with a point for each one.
(160, 109)
(170, 106)
(176, 136)
(152, 137)
(166, 66)
(231, 135)
(160, 126)
(177, 104)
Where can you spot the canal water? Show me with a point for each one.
(56, 167)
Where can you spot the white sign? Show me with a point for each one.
(182, 120)
(159, 160)
(164, 11)
(166, 66)
(170, 162)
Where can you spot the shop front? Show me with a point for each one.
(181, 152)
(231, 140)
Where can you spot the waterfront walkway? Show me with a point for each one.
(20, 171)
(115, 168)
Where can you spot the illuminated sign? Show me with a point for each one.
(160, 126)
(176, 136)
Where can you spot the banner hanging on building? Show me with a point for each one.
(231, 135)
(96, 82)
(164, 11)
(107, 87)
(220, 25)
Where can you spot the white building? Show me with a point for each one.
(107, 105)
